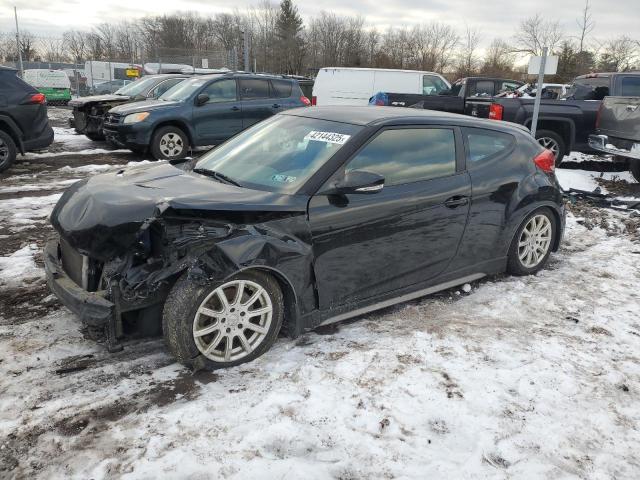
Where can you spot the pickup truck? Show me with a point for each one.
(563, 125)
(618, 130)
(453, 100)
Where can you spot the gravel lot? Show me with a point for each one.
(535, 377)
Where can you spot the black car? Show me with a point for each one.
(24, 125)
(89, 112)
(310, 217)
(202, 111)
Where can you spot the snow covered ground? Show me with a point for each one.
(534, 377)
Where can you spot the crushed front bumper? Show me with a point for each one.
(615, 146)
(92, 307)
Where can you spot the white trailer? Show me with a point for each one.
(100, 72)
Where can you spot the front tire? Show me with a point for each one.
(532, 244)
(169, 143)
(95, 136)
(8, 151)
(634, 166)
(222, 324)
(554, 142)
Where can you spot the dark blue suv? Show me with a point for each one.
(206, 110)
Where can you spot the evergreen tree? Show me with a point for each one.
(289, 28)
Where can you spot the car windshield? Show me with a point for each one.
(136, 88)
(184, 90)
(279, 154)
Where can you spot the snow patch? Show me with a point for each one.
(19, 267)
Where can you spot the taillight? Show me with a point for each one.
(314, 100)
(37, 98)
(495, 111)
(546, 161)
(598, 115)
(305, 100)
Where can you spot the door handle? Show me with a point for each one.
(275, 105)
(235, 108)
(456, 201)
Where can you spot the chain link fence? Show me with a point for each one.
(106, 74)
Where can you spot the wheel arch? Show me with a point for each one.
(290, 322)
(182, 125)
(564, 127)
(8, 126)
(516, 223)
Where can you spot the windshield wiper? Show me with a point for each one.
(217, 175)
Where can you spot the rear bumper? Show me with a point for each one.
(42, 141)
(92, 307)
(615, 146)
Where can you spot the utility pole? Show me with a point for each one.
(15, 12)
(247, 67)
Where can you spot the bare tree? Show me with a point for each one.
(27, 46)
(468, 61)
(586, 25)
(53, 50)
(75, 42)
(535, 33)
(499, 59)
(618, 54)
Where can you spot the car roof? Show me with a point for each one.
(380, 70)
(7, 69)
(606, 74)
(377, 115)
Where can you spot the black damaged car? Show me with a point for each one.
(310, 217)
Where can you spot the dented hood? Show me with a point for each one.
(101, 216)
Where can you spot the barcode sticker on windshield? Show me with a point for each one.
(328, 137)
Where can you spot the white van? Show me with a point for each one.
(355, 86)
(54, 84)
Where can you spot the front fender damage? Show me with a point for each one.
(210, 246)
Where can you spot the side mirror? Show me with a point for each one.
(202, 99)
(357, 181)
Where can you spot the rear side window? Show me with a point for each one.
(508, 86)
(481, 88)
(9, 80)
(631, 86)
(281, 88)
(252, 88)
(408, 155)
(594, 88)
(486, 145)
(432, 85)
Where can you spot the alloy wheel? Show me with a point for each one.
(550, 144)
(232, 321)
(535, 241)
(171, 144)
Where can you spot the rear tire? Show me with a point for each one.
(537, 234)
(198, 328)
(634, 166)
(8, 151)
(554, 142)
(169, 143)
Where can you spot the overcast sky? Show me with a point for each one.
(496, 18)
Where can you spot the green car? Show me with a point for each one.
(54, 84)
